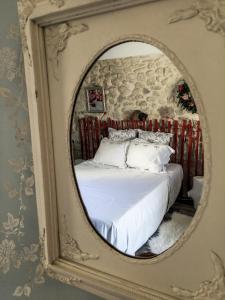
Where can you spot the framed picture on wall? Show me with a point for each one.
(95, 99)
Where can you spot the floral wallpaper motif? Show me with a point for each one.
(8, 63)
(14, 250)
(21, 271)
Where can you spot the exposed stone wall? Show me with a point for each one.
(133, 83)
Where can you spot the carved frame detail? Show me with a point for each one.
(211, 289)
(70, 248)
(57, 39)
(210, 11)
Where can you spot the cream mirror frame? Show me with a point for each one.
(61, 39)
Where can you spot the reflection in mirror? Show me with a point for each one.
(137, 149)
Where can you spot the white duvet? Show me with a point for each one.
(126, 206)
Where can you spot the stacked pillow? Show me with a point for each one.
(148, 156)
(155, 137)
(151, 151)
(122, 135)
(112, 153)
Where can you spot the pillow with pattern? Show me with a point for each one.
(157, 137)
(122, 135)
(148, 156)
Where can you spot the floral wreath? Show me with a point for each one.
(184, 97)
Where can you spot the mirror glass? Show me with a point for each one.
(137, 150)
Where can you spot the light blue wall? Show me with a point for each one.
(20, 268)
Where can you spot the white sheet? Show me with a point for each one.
(126, 206)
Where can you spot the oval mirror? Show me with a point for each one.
(137, 149)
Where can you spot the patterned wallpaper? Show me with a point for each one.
(21, 272)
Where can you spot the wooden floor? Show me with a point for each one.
(183, 206)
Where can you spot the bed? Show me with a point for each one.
(187, 141)
(126, 206)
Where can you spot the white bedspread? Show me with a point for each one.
(126, 206)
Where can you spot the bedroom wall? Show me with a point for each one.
(143, 83)
(20, 270)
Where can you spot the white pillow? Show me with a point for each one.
(112, 153)
(155, 137)
(148, 156)
(122, 135)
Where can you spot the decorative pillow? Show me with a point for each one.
(148, 156)
(122, 135)
(112, 153)
(155, 137)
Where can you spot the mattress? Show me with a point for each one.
(126, 206)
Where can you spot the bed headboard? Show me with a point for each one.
(186, 141)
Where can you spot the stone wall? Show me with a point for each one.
(143, 83)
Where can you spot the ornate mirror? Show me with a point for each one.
(137, 149)
(115, 125)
